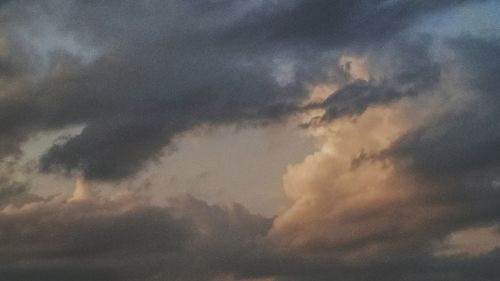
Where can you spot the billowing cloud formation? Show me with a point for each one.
(137, 73)
(404, 180)
(402, 176)
(125, 238)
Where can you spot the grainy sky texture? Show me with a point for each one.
(249, 140)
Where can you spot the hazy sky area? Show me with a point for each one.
(249, 140)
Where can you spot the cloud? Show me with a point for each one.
(372, 82)
(125, 238)
(472, 241)
(465, 136)
(339, 23)
(404, 177)
(409, 172)
(137, 73)
(354, 211)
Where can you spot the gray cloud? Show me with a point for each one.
(356, 97)
(467, 137)
(412, 71)
(160, 68)
(337, 23)
(163, 68)
(125, 238)
(457, 150)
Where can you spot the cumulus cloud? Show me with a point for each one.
(404, 178)
(406, 174)
(344, 200)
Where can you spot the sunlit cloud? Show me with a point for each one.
(304, 140)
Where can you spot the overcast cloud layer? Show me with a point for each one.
(404, 184)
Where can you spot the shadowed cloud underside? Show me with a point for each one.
(402, 184)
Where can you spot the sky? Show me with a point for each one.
(249, 140)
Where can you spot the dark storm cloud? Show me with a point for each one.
(455, 155)
(165, 67)
(469, 138)
(125, 238)
(459, 150)
(356, 97)
(413, 71)
(338, 23)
